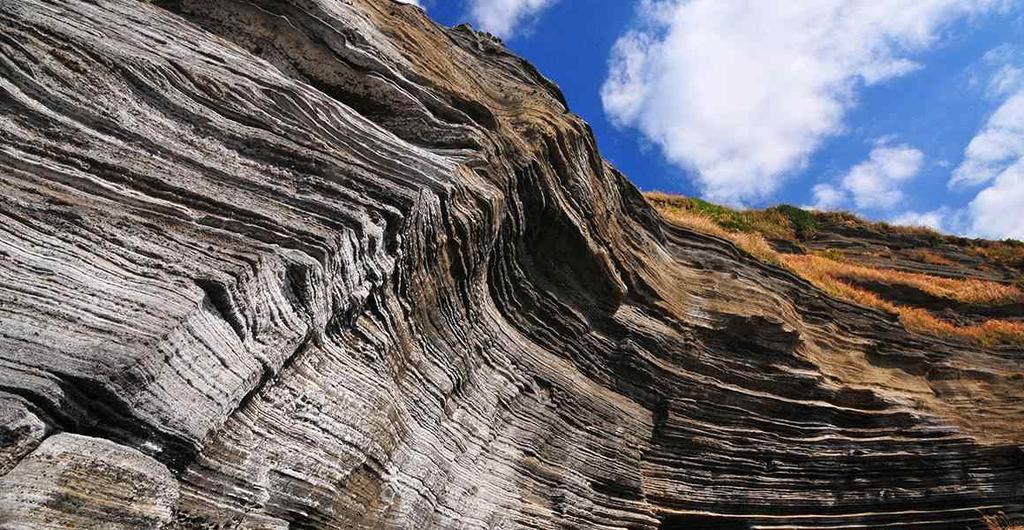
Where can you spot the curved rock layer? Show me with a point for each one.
(324, 264)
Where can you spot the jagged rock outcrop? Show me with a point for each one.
(324, 264)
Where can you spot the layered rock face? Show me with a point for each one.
(324, 264)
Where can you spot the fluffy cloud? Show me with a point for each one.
(1005, 70)
(1001, 142)
(998, 211)
(935, 219)
(502, 17)
(828, 197)
(995, 156)
(874, 183)
(741, 92)
(413, 2)
(996, 147)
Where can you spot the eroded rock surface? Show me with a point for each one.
(73, 481)
(324, 264)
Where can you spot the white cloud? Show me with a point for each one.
(995, 147)
(413, 2)
(1007, 80)
(828, 197)
(935, 219)
(743, 91)
(995, 156)
(502, 17)
(875, 183)
(1001, 142)
(1007, 73)
(998, 211)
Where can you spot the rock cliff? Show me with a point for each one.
(325, 264)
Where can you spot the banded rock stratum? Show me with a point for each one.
(325, 264)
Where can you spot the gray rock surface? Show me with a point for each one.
(324, 264)
(72, 481)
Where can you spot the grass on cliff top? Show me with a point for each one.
(968, 290)
(999, 522)
(826, 275)
(749, 229)
(1008, 252)
(787, 222)
(779, 222)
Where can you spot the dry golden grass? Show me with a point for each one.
(809, 268)
(999, 522)
(771, 223)
(990, 333)
(827, 275)
(694, 221)
(969, 291)
(753, 243)
(833, 254)
(932, 258)
(1005, 253)
(756, 245)
(823, 274)
(908, 230)
(851, 220)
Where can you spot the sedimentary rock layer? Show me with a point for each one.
(325, 264)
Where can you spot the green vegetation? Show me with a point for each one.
(727, 218)
(803, 222)
(831, 271)
(784, 222)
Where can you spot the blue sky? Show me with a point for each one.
(902, 110)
